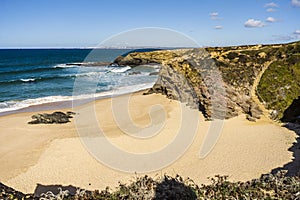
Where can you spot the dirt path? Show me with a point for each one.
(254, 88)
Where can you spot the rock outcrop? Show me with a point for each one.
(218, 81)
(143, 58)
(54, 118)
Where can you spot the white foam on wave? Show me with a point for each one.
(155, 66)
(87, 74)
(120, 69)
(27, 79)
(17, 105)
(65, 66)
(131, 89)
(72, 65)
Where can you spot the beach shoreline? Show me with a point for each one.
(66, 104)
(51, 154)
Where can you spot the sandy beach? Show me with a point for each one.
(54, 154)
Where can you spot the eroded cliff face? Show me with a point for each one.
(222, 82)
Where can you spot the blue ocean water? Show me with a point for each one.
(36, 76)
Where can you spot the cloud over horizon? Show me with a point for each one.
(214, 16)
(272, 5)
(252, 23)
(271, 10)
(271, 20)
(293, 36)
(218, 27)
(296, 3)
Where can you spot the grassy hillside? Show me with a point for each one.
(280, 84)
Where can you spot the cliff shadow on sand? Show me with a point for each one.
(291, 117)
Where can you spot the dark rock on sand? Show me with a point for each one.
(251, 119)
(54, 118)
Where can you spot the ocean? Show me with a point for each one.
(31, 77)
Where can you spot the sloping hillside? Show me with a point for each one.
(194, 75)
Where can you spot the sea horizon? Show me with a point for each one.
(155, 46)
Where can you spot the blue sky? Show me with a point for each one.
(83, 23)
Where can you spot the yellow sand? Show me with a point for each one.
(54, 154)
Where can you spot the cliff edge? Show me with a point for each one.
(223, 82)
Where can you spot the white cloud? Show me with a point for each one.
(271, 19)
(293, 36)
(218, 27)
(214, 16)
(271, 10)
(296, 3)
(272, 5)
(297, 32)
(283, 37)
(252, 23)
(286, 37)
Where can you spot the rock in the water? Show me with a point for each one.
(54, 118)
(134, 73)
(153, 73)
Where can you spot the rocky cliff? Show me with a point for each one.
(224, 82)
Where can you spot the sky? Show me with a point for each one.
(86, 23)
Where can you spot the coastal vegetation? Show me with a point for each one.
(268, 186)
(280, 85)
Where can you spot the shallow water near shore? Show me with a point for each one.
(31, 77)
